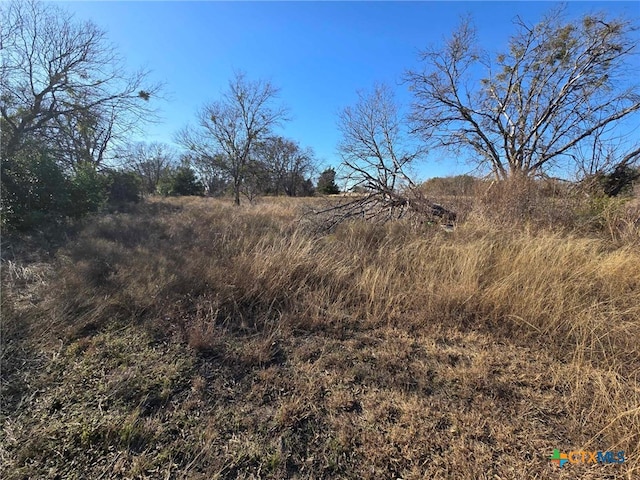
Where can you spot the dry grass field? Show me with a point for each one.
(187, 338)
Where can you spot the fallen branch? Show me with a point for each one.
(380, 208)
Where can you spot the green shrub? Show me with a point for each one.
(327, 182)
(182, 181)
(34, 189)
(123, 187)
(620, 181)
(88, 190)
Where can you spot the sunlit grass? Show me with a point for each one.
(193, 339)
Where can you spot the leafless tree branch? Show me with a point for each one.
(557, 86)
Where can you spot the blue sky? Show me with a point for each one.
(318, 53)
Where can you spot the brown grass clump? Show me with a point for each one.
(192, 339)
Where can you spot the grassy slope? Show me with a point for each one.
(190, 339)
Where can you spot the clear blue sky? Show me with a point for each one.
(318, 53)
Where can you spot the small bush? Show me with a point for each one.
(123, 187)
(181, 182)
(459, 185)
(618, 182)
(34, 188)
(327, 182)
(88, 191)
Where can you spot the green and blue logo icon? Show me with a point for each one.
(559, 458)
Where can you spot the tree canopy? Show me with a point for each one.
(64, 85)
(526, 110)
(229, 128)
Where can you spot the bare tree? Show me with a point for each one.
(232, 126)
(151, 161)
(377, 152)
(606, 165)
(559, 84)
(213, 173)
(374, 148)
(60, 77)
(603, 154)
(288, 166)
(256, 179)
(83, 137)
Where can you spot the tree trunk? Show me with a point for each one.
(236, 193)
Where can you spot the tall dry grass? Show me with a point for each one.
(377, 350)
